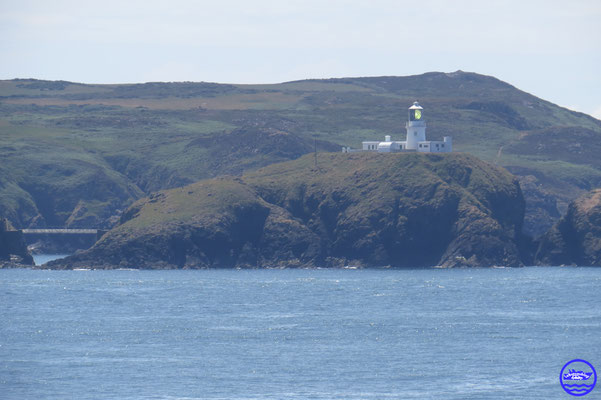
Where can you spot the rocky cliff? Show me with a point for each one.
(576, 238)
(399, 210)
(13, 251)
(76, 155)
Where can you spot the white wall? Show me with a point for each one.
(416, 132)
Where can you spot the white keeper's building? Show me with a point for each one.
(416, 138)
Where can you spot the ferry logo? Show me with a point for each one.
(578, 377)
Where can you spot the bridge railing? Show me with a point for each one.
(51, 230)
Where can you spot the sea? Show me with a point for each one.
(498, 333)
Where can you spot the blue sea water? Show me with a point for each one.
(296, 334)
(41, 259)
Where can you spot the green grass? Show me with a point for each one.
(355, 177)
(203, 202)
(584, 176)
(109, 132)
(309, 86)
(201, 128)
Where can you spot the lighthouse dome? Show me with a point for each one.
(416, 106)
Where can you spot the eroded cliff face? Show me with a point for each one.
(576, 238)
(367, 210)
(13, 251)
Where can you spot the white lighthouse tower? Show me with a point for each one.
(416, 126)
(416, 138)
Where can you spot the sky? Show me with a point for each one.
(549, 48)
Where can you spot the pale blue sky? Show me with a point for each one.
(549, 48)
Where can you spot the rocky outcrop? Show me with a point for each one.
(367, 210)
(541, 206)
(576, 238)
(13, 251)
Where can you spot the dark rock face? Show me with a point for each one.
(399, 210)
(85, 199)
(541, 207)
(576, 238)
(13, 251)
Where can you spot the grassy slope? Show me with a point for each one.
(146, 137)
(367, 180)
(449, 209)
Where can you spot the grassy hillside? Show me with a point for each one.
(59, 139)
(350, 209)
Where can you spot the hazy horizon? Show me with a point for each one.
(547, 48)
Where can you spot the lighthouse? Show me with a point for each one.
(416, 126)
(416, 138)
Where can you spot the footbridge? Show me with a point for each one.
(59, 230)
(63, 231)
